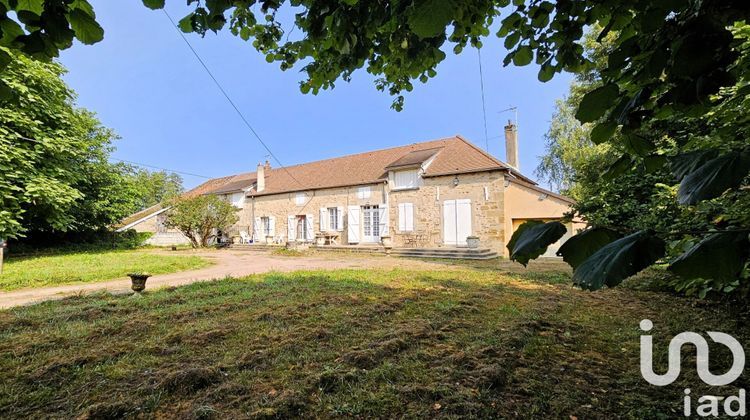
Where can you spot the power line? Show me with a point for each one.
(226, 95)
(20, 137)
(484, 106)
(160, 168)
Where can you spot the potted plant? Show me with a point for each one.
(386, 241)
(472, 241)
(138, 281)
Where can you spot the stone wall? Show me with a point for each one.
(485, 190)
(486, 209)
(281, 206)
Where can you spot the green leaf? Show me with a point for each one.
(719, 256)
(595, 103)
(523, 56)
(619, 167)
(615, 262)
(532, 238)
(10, 31)
(429, 18)
(154, 4)
(33, 6)
(714, 177)
(5, 59)
(654, 163)
(546, 72)
(603, 132)
(186, 24)
(581, 246)
(686, 163)
(637, 145)
(86, 28)
(6, 92)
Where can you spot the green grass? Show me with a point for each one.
(85, 267)
(364, 343)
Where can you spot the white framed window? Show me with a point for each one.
(364, 192)
(265, 223)
(406, 217)
(299, 199)
(333, 218)
(406, 179)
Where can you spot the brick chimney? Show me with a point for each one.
(260, 174)
(511, 145)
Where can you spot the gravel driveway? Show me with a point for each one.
(226, 263)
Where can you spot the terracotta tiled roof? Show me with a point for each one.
(139, 215)
(454, 155)
(223, 185)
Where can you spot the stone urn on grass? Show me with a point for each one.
(138, 281)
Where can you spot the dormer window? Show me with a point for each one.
(406, 179)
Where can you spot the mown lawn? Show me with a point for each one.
(364, 343)
(84, 267)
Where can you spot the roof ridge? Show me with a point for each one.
(367, 152)
(484, 152)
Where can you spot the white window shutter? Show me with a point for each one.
(256, 229)
(272, 225)
(309, 226)
(401, 217)
(384, 219)
(340, 221)
(353, 224)
(323, 219)
(292, 227)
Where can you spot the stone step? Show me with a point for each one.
(355, 249)
(255, 247)
(452, 255)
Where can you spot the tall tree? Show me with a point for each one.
(55, 172)
(155, 187)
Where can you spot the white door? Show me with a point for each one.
(352, 222)
(456, 221)
(371, 224)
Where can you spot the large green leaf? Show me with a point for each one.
(34, 6)
(714, 177)
(719, 256)
(154, 4)
(581, 246)
(685, 163)
(532, 238)
(429, 18)
(5, 59)
(595, 103)
(523, 56)
(615, 262)
(86, 28)
(603, 132)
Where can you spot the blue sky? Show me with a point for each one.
(143, 81)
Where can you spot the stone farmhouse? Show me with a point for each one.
(445, 193)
